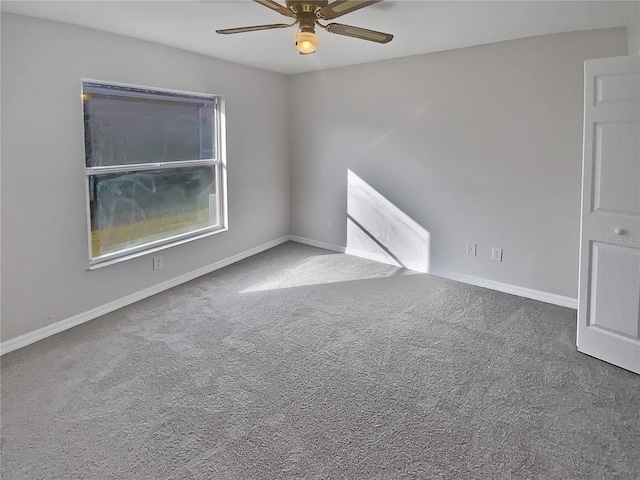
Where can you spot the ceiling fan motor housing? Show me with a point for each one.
(306, 12)
(306, 6)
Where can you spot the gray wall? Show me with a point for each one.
(479, 145)
(44, 241)
(633, 31)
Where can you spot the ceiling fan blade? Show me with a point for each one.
(342, 7)
(361, 33)
(276, 7)
(227, 31)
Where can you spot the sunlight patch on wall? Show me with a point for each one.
(377, 229)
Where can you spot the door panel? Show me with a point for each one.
(617, 169)
(615, 279)
(616, 88)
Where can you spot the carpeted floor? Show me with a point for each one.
(301, 363)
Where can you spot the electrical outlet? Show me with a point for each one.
(157, 263)
(471, 249)
(50, 318)
(496, 254)
(330, 224)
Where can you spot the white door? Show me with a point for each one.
(609, 292)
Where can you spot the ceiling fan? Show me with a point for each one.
(308, 13)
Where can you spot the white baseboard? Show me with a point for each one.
(382, 258)
(477, 281)
(376, 257)
(44, 332)
(316, 243)
(532, 294)
(546, 297)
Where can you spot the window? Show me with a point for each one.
(155, 169)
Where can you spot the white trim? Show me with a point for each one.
(44, 332)
(530, 293)
(376, 257)
(198, 95)
(382, 258)
(316, 243)
(146, 249)
(546, 297)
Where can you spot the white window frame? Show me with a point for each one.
(218, 163)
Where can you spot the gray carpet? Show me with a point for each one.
(301, 363)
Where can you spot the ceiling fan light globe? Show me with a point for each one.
(306, 42)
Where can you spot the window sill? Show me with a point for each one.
(97, 264)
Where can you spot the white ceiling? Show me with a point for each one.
(419, 26)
